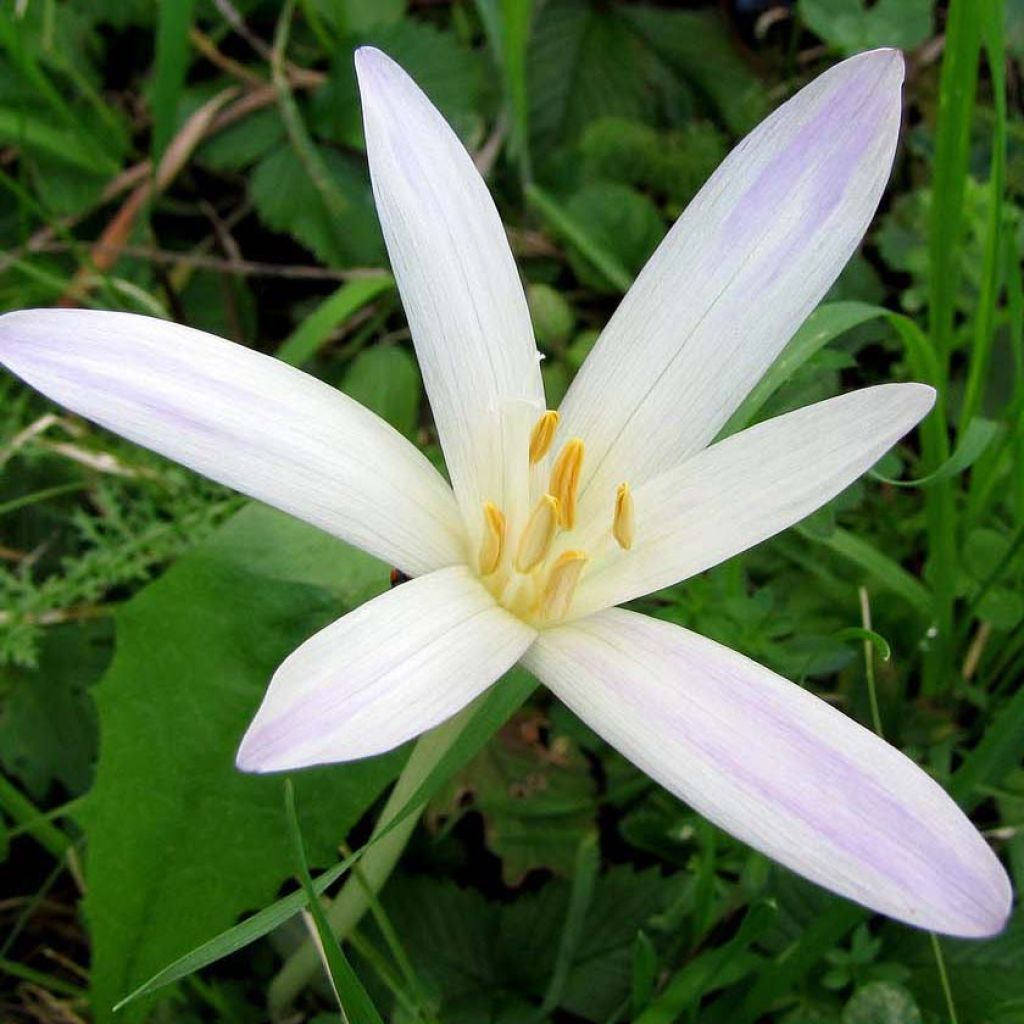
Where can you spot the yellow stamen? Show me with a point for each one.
(561, 585)
(492, 544)
(565, 481)
(624, 522)
(535, 541)
(542, 435)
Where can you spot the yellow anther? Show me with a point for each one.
(624, 522)
(542, 435)
(565, 481)
(560, 588)
(535, 541)
(492, 544)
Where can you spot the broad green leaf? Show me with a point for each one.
(852, 25)
(553, 318)
(47, 719)
(180, 842)
(303, 343)
(360, 15)
(387, 381)
(480, 722)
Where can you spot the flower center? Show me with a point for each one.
(535, 573)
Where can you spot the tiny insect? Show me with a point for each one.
(398, 577)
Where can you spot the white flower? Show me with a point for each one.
(552, 519)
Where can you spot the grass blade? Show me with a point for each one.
(172, 50)
(303, 343)
(354, 1003)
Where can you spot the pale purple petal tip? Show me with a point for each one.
(779, 768)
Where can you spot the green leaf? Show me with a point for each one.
(353, 1001)
(881, 1002)
(553, 318)
(287, 200)
(980, 433)
(478, 724)
(851, 26)
(303, 343)
(34, 131)
(880, 644)
(984, 976)
(824, 325)
(699, 47)
(387, 381)
(537, 798)
(47, 719)
(717, 968)
(180, 842)
(450, 73)
(881, 567)
(590, 246)
(360, 15)
(584, 63)
(624, 222)
(241, 144)
(584, 876)
(172, 54)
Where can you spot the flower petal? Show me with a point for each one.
(747, 488)
(245, 420)
(393, 668)
(778, 768)
(459, 285)
(743, 266)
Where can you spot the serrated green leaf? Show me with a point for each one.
(287, 201)
(449, 73)
(698, 46)
(851, 26)
(241, 144)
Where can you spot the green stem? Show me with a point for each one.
(376, 866)
(869, 661)
(940, 963)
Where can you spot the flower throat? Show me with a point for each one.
(531, 574)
